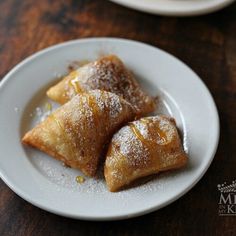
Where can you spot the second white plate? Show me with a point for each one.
(45, 183)
(176, 7)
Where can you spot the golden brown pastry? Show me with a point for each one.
(109, 74)
(77, 132)
(141, 148)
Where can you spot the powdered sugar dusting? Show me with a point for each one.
(131, 147)
(64, 177)
(115, 104)
(164, 126)
(16, 109)
(109, 74)
(143, 147)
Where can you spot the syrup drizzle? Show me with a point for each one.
(150, 144)
(92, 102)
(160, 133)
(139, 135)
(113, 151)
(74, 82)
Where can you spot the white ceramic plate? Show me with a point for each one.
(176, 7)
(45, 183)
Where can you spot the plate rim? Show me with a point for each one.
(174, 12)
(23, 195)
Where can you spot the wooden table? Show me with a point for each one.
(207, 44)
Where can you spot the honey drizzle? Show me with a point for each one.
(139, 135)
(160, 133)
(114, 151)
(150, 145)
(92, 102)
(64, 134)
(74, 83)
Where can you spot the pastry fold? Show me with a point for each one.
(143, 147)
(77, 132)
(107, 73)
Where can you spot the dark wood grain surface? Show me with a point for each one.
(207, 44)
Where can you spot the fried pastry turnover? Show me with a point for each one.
(143, 147)
(109, 74)
(77, 132)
